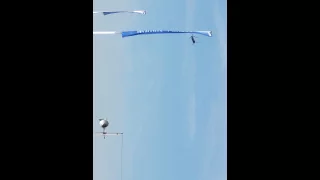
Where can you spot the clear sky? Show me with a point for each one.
(167, 95)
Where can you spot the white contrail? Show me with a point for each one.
(106, 32)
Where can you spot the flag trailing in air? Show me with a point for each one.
(113, 12)
(134, 33)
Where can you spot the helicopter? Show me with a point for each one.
(104, 123)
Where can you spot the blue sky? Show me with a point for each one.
(167, 95)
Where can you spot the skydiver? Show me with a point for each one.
(192, 39)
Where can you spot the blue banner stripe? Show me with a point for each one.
(106, 13)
